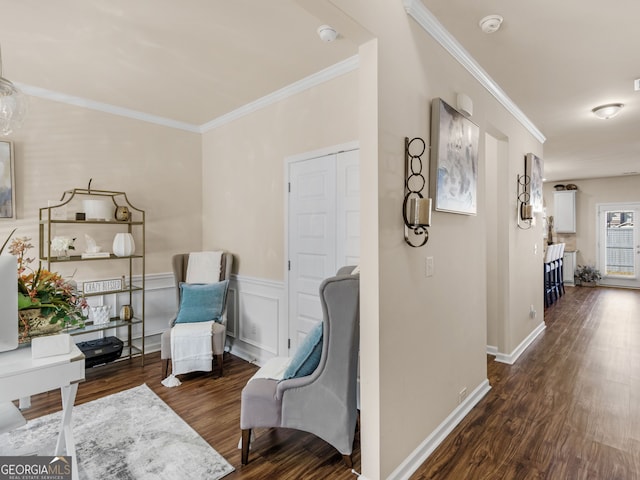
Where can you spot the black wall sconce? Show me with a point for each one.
(416, 210)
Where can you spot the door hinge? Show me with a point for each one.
(289, 343)
(289, 265)
(289, 187)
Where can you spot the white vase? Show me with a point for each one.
(99, 209)
(124, 245)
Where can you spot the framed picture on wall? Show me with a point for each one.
(7, 182)
(533, 172)
(454, 160)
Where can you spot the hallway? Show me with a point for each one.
(568, 409)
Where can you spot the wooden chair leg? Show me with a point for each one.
(220, 359)
(348, 460)
(246, 439)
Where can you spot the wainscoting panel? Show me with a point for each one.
(257, 319)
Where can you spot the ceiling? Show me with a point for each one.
(196, 60)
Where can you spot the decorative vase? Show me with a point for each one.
(98, 209)
(100, 314)
(31, 323)
(122, 213)
(63, 255)
(124, 245)
(126, 313)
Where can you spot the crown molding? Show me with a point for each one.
(318, 78)
(431, 25)
(104, 107)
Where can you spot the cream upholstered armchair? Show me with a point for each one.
(180, 263)
(323, 401)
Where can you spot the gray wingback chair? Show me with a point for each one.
(323, 403)
(219, 330)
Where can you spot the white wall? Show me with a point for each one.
(431, 332)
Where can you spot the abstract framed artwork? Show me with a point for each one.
(454, 160)
(7, 182)
(533, 173)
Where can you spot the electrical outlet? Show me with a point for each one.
(429, 267)
(462, 395)
(532, 312)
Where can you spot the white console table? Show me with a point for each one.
(22, 376)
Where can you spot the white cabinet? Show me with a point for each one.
(564, 210)
(568, 267)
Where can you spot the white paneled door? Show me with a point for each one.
(323, 231)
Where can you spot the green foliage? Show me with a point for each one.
(588, 273)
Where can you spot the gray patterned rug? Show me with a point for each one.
(131, 435)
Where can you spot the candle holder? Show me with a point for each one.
(416, 209)
(525, 209)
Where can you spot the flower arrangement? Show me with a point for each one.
(62, 244)
(588, 274)
(45, 290)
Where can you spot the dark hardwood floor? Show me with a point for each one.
(211, 405)
(568, 409)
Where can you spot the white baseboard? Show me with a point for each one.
(513, 356)
(492, 350)
(429, 444)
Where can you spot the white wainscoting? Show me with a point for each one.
(256, 315)
(257, 319)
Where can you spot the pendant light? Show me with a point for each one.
(13, 106)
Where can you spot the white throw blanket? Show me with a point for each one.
(191, 342)
(273, 369)
(191, 347)
(204, 267)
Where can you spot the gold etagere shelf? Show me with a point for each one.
(54, 216)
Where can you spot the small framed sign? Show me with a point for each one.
(99, 286)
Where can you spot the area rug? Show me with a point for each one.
(131, 435)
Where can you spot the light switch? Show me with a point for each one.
(429, 267)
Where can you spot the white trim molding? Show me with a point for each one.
(105, 107)
(429, 444)
(511, 358)
(492, 350)
(318, 78)
(431, 25)
(345, 66)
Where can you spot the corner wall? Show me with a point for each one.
(431, 331)
(244, 170)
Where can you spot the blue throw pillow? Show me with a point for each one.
(307, 356)
(202, 302)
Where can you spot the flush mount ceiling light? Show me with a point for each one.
(12, 105)
(491, 23)
(609, 110)
(327, 33)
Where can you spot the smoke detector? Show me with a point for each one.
(491, 23)
(327, 33)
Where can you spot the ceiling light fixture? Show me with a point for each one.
(607, 111)
(491, 23)
(327, 33)
(12, 105)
